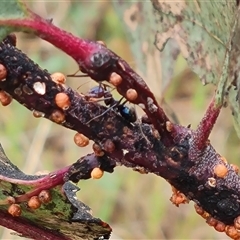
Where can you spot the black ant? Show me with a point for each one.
(101, 91)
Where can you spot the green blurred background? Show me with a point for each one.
(136, 206)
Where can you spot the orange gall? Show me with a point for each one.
(237, 223)
(97, 173)
(199, 210)
(220, 227)
(211, 221)
(232, 232)
(58, 78)
(81, 140)
(235, 168)
(62, 100)
(220, 170)
(45, 196)
(115, 79)
(131, 94)
(11, 200)
(15, 210)
(3, 72)
(5, 98)
(34, 202)
(57, 116)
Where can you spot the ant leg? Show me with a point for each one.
(82, 85)
(112, 105)
(80, 75)
(75, 74)
(139, 122)
(93, 99)
(102, 114)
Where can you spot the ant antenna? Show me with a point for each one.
(102, 114)
(110, 108)
(75, 74)
(80, 75)
(139, 122)
(108, 85)
(82, 85)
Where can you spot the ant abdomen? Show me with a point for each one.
(129, 113)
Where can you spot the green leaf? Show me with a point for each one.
(201, 30)
(11, 10)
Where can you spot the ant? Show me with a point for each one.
(101, 91)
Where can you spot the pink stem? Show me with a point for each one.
(201, 135)
(75, 47)
(51, 180)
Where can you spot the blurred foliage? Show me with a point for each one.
(136, 206)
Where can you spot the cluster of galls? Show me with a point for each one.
(233, 231)
(35, 202)
(220, 171)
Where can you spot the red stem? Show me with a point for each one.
(75, 47)
(201, 135)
